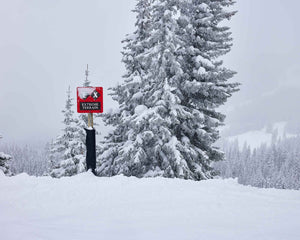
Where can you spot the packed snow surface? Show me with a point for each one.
(87, 207)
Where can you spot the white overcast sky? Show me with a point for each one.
(45, 46)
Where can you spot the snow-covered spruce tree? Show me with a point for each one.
(67, 158)
(4, 167)
(128, 94)
(133, 59)
(4, 160)
(168, 126)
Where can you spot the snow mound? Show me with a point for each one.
(87, 207)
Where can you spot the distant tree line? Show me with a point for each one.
(25, 159)
(269, 166)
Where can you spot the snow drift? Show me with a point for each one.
(87, 207)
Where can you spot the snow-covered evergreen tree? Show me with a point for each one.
(167, 121)
(67, 158)
(204, 85)
(4, 166)
(133, 59)
(128, 94)
(4, 163)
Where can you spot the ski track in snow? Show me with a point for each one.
(87, 207)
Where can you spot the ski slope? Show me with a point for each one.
(86, 207)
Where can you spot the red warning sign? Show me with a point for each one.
(90, 100)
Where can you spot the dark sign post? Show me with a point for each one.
(90, 100)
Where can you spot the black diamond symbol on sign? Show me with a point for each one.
(95, 95)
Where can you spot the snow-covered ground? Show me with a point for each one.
(86, 207)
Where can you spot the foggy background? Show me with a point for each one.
(45, 46)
